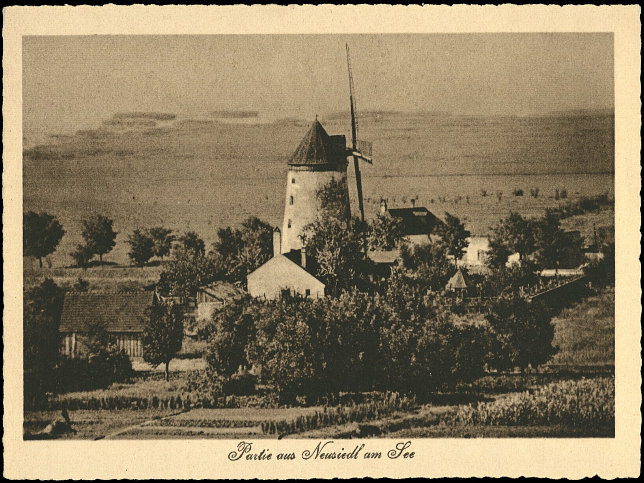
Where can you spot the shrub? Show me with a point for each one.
(517, 192)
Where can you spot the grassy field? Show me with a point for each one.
(585, 332)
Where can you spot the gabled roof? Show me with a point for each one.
(318, 148)
(416, 221)
(457, 281)
(285, 260)
(223, 291)
(120, 312)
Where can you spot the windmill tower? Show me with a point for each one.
(317, 160)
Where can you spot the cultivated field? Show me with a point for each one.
(202, 175)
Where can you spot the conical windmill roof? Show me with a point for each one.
(457, 281)
(317, 147)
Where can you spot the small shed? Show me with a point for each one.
(458, 282)
(122, 315)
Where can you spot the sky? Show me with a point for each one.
(74, 82)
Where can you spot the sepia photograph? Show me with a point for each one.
(318, 237)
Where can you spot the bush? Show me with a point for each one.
(240, 385)
(517, 192)
(97, 370)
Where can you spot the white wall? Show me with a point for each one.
(280, 273)
(305, 203)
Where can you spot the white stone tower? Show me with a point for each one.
(318, 159)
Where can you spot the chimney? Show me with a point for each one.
(383, 206)
(413, 202)
(303, 253)
(277, 242)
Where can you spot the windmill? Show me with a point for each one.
(359, 149)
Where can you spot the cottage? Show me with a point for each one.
(285, 275)
(122, 315)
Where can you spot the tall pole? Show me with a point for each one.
(354, 138)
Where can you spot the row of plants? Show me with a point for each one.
(579, 403)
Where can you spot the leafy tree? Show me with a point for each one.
(512, 234)
(338, 249)
(162, 239)
(41, 234)
(333, 198)
(99, 235)
(187, 271)
(162, 334)
(243, 250)
(288, 359)
(523, 333)
(229, 332)
(141, 247)
(82, 255)
(555, 247)
(454, 236)
(192, 243)
(498, 253)
(428, 263)
(385, 232)
(41, 318)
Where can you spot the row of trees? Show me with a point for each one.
(360, 342)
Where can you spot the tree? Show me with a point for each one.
(162, 334)
(41, 234)
(523, 333)
(41, 318)
(336, 242)
(141, 247)
(192, 243)
(99, 235)
(555, 247)
(338, 249)
(162, 239)
(243, 250)
(454, 236)
(428, 263)
(512, 234)
(82, 255)
(229, 332)
(187, 271)
(385, 232)
(333, 198)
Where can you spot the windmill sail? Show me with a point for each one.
(359, 149)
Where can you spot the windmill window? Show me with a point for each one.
(308, 292)
(292, 180)
(291, 200)
(289, 223)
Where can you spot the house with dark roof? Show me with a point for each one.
(418, 223)
(121, 314)
(285, 275)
